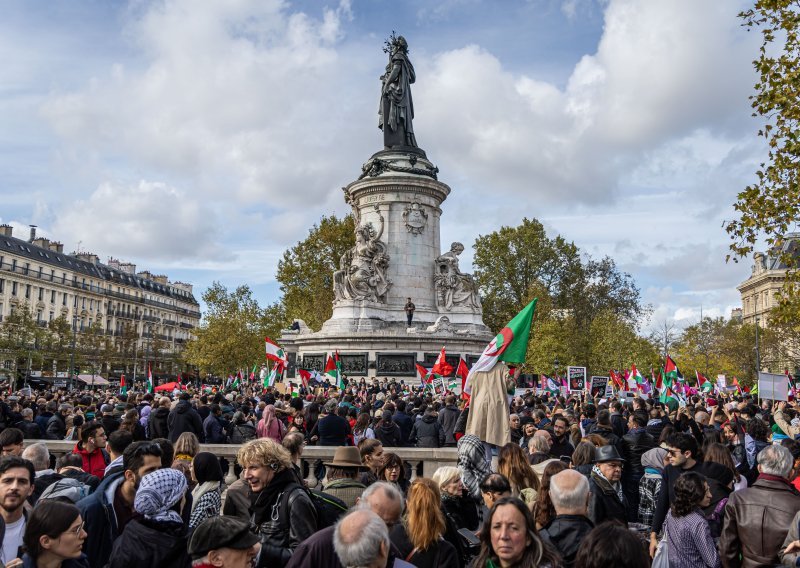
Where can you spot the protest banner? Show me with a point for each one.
(576, 379)
(598, 386)
(772, 386)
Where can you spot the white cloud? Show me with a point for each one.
(148, 220)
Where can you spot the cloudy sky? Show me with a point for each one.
(200, 139)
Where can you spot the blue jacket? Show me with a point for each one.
(213, 430)
(97, 511)
(405, 423)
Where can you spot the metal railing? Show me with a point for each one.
(423, 461)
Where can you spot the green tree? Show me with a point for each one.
(231, 335)
(96, 348)
(20, 340)
(770, 207)
(57, 344)
(513, 263)
(306, 270)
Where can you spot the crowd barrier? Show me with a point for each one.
(423, 461)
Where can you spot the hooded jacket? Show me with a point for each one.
(150, 543)
(184, 418)
(427, 433)
(157, 423)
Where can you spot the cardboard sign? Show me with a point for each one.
(772, 386)
(598, 386)
(609, 391)
(280, 387)
(576, 379)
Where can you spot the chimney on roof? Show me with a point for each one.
(41, 242)
(89, 257)
(56, 246)
(6, 230)
(33, 233)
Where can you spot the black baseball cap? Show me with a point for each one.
(220, 532)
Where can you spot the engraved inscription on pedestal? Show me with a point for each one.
(354, 363)
(453, 287)
(314, 362)
(396, 364)
(415, 217)
(362, 269)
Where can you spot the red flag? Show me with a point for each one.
(442, 367)
(305, 376)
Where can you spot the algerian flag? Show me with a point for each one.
(235, 383)
(510, 345)
(277, 370)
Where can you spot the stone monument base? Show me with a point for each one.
(384, 349)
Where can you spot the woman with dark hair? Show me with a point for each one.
(689, 540)
(419, 536)
(611, 544)
(583, 458)
(130, 423)
(371, 451)
(298, 423)
(158, 536)
(241, 429)
(666, 432)
(733, 434)
(54, 537)
(513, 463)
(207, 494)
(362, 429)
(510, 539)
(650, 483)
(393, 470)
(543, 509)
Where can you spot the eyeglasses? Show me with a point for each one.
(78, 530)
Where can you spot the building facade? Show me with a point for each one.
(761, 291)
(149, 313)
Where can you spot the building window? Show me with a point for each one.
(2, 285)
(13, 288)
(64, 299)
(41, 294)
(52, 296)
(63, 277)
(52, 315)
(14, 264)
(27, 266)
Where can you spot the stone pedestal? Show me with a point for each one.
(397, 206)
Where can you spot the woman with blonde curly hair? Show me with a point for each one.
(419, 536)
(513, 463)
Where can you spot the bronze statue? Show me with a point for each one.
(396, 109)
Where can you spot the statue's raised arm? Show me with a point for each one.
(396, 109)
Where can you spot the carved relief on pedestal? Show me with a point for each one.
(453, 287)
(415, 218)
(362, 269)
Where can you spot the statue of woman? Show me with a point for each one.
(396, 109)
(362, 269)
(454, 288)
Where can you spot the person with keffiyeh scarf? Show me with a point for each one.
(472, 464)
(156, 536)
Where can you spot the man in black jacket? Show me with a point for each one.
(607, 501)
(427, 432)
(57, 425)
(212, 427)
(560, 436)
(157, 423)
(448, 416)
(404, 421)
(184, 418)
(569, 493)
(603, 429)
(635, 443)
(618, 423)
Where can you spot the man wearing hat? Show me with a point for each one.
(343, 475)
(607, 499)
(223, 542)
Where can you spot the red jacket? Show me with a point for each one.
(95, 462)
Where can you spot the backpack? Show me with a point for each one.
(329, 508)
(67, 488)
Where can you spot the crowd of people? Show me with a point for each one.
(580, 482)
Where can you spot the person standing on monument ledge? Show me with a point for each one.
(410, 307)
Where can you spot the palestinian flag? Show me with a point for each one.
(671, 371)
(274, 351)
(333, 370)
(442, 368)
(305, 376)
(658, 381)
(462, 372)
(667, 396)
(149, 379)
(123, 387)
(635, 378)
(423, 375)
(237, 380)
(739, 389)
(253, 373)
(510, 345)
(277, 371)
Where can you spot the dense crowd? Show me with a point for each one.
(580, 482)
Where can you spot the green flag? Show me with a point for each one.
(510, 345)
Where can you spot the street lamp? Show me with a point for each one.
(556, 363)
(72, 355)
(758, 353)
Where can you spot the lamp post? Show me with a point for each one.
(758, 353)
(72, 355)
